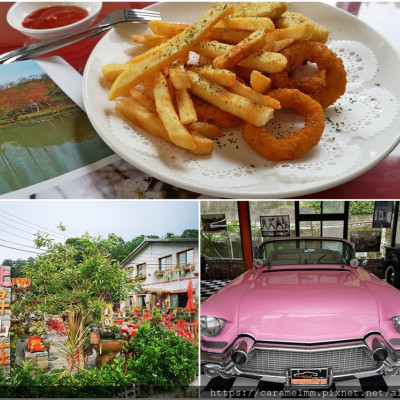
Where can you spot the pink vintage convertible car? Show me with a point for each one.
(306, 314)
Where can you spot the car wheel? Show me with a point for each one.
(390, 275)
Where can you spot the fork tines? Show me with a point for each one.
(143, 13)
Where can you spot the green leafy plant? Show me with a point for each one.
(78, 278)
(37, 329)
(163, 359)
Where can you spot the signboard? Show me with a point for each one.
(277, 225)
(107, 316)
(366, 241)
(382, 214)
(214, 222)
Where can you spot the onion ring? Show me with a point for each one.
(327, 86)
(297, 143)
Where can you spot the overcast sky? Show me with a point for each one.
(20, 220)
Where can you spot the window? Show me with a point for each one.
(185, 258)
(220, 230)
(129, 271)
(165, 262)
(141, 269)
(178, 300)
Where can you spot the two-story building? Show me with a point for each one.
(164, 268)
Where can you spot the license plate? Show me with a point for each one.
(307, 377)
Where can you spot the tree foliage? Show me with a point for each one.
(361, 207)
(79, 273)
(30, 95)
(355, 207)
(190, 233)
(17, 266)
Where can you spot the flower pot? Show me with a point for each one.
(35, 344)
(108, 350)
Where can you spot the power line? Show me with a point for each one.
(27, 251)
(31, 223)
(19, 229)
(10, 219)
(19, 244)
(14, 234)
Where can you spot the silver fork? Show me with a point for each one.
(115, 18)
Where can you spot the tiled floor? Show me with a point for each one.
(376, 387)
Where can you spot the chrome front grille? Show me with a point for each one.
(342, 361)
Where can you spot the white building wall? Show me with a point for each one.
(151, 255)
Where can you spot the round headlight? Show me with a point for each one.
(396, 322)
(211, 326)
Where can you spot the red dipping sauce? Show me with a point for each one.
(54, 17)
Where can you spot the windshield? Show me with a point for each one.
(305, 251)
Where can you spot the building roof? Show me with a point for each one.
(146, 242)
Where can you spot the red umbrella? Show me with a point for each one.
(190, 304)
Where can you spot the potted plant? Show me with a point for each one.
(140, 277)
(158, 273)
(36, 330)
(189, 267)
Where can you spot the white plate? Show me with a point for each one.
(367, 130)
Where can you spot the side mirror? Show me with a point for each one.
(257, 263)
(354, 263)
(365, 263)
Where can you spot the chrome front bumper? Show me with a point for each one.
(272, 361)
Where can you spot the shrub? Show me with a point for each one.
(105, 382)
(162, 359)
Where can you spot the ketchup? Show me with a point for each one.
(54, 17)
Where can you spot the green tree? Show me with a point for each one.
(17, 266)
(361, 207)
(77, 278)
(190, 233)
(79, 272)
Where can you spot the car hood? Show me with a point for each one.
(307, 305)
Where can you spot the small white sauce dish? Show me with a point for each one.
(19, 10)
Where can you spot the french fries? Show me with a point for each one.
(205, 129)
(184, 103)
(247, 23)
(292, 19)
(169, 51)
(269, 9)
(166, 110)
(242, 50)
(264, 61)
(195, 80)
(177, 74)
(151, 123)
(244, 108)
(259, 82)
(223, 77)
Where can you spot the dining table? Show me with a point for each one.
(382, 181)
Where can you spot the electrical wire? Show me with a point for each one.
(27, 251)
(53, 233)
(19, 244)
(19, 229)
(14, 234)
